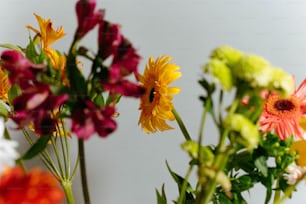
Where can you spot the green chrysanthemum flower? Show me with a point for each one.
(281, 81)
(246, 129)
(227, 54)
(254, 69)
(221, 73)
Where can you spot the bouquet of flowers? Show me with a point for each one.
(53, 99)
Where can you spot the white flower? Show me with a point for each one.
(294, 173)
(8, 153)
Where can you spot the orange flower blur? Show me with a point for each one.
(36, 186)
(284, 114)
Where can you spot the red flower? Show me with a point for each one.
(89, 119)
(125, 62)
(126, 59)
(284, 114)
(125, 88)
(36, 186)
(20, 68)
(109, 39)
(36, 105)
(87, 18)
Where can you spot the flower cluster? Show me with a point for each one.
(44, 91)
(265, 120)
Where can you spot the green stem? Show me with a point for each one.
(277, 192)
(181, 125)
(184, 187)
(83, 172)
(67, 186)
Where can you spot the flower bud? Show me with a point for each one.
(281, 81)
(227, 54)
(246, 129)
(255, 70)
(221, 73)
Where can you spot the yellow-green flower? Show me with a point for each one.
(246, 129)
(221, 73)
(46, 31)
(281, 81)
(156, 104)
(254, 69)
(227, 54)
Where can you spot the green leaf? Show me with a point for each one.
(76, 79)
(179, 181)
(11, 46)
(3, 110)
(99, 100)
(31, 52)
(261, 164)
(161, 197)
(37, 147)
(14, 92)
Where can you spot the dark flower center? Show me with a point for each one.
(284, 105)
(151, 95)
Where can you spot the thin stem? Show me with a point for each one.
(75, 167)
(45, 157)
(59, 162)
(61, 138)
(83, 171)
(184, 187)
(181, 125)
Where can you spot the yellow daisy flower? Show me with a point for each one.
(47, 33)
(299, 147)
(156, 104)
(4, 85)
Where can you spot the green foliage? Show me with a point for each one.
(40, 144)
(265, 165)
(189, 197)
(161, 197)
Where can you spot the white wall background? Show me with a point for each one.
(126, 167)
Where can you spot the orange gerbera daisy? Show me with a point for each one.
(36, 186)
(283, 115)
(156, 104)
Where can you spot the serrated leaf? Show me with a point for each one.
(40, 144)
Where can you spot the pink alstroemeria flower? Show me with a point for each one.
(20, 68)
(109, 39)
(35, 105)
(87, 17)
(89, 119)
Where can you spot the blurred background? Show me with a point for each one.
(129, 165)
